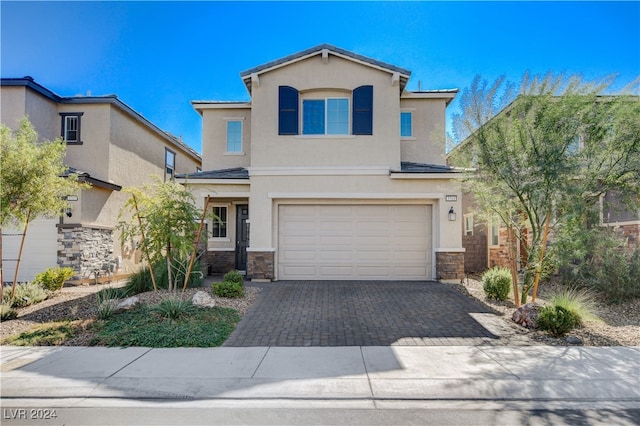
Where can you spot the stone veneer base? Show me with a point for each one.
(260, 265)
(450, 265)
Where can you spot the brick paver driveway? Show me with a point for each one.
(360, 313)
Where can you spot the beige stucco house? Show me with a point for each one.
(332, 170)
(109, 145)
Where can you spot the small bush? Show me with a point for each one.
(228, 289)
(140, 281)
(556, 320)
(26, 294)
(53, 278)
(7, 313)
(173, 309)
(579, 301)
(108, 299)
(496, 283)
(233, 276)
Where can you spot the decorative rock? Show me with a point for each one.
(128, 303)
(574, 340)
(203, 299)
(527, 315)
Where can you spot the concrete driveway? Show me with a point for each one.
(361, 313)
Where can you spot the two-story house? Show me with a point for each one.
(332, 170)
(110, 146)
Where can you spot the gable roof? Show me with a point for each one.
(108, 99)
(404, 74)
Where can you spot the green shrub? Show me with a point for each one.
(616, 274)
(173, 309)
(53, 278)
(228, 289)
(26, 294)
(556, 320)
(233, 276)
(140, 281)
(496, 283)
(579, 301)
(107, 300)
(7, 313)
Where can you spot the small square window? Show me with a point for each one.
(219, 228)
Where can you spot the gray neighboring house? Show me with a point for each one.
(110, 146)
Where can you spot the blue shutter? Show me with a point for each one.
(363, 110)
(287, 111)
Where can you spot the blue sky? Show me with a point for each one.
(158, 56)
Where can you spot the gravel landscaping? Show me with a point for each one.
(619, 325)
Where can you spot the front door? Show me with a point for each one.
(242, 236)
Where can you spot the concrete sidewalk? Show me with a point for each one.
(350, 376)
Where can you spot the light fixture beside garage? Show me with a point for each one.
(452, 214)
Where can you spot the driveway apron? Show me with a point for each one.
(360, 313)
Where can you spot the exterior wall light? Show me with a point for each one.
(452, 214)
(68, 212)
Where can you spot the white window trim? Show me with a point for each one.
(413, 135)
(326, 118)
(226, 125)
(228, 237)
(468, 215)
(491, 227)
(166, 164)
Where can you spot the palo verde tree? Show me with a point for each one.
(32, 184)
(544, 153)
(164, 217)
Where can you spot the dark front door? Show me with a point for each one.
(242, 236)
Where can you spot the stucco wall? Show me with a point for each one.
(214, 138)
(338, 75)
(428, 142)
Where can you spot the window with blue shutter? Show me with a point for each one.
(363, 110)
(287, 111)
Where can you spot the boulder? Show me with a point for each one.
(128, 303)
(203, 299)
(527, 315)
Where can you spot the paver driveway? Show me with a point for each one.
(360, 313)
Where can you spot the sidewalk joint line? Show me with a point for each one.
(261, 361)
(128, 364)
(364, 364)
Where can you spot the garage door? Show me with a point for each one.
(383, 242)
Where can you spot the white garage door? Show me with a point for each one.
(383, 242)
(39, 252)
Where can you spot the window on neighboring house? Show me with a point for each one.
(616, 208)
(468, 224)
(169, 164)
(325, 116)
(495, 232)
(198, 169)
(234, 136)
(219, 228)
(71, 127)
(575, 146)
(406, 124)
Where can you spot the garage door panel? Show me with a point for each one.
(354, 242)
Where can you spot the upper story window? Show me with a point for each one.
(71, 127)
(325, 116)
(169, 164)
(495, 233)
(406, 124)
(234, 136)
(328, 116)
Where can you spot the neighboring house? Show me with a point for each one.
(331, 171)
(110, 146)
(487, 244)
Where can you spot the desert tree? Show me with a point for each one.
(33, 181)
(544, 153)
(164, 217)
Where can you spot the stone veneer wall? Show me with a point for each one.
(631, 233)
(499, 256)
(450, 265)
(85, 249)
(260, 265)
(220, 262)
(475, 254)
